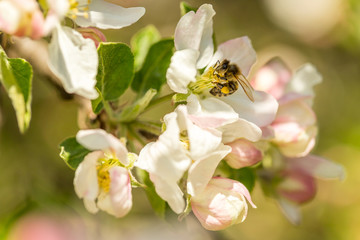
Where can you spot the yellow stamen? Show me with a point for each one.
(103, 167)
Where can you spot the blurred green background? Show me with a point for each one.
(36, 186)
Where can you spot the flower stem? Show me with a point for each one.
(158, 101)
(135, 135)
(150, 127)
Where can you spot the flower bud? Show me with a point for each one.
(92, 33)
(244, 153)
(297, 186)
(221, 204)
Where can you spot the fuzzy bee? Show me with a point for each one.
(227, 78)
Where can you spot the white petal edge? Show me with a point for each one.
(318, 167)
(304, 81)
(210, 112)
(194, 31)
(202, 170)
(74, 60)
(290, 210)
(105, 15)
(182, 70)
(85, 180)
(118, 202)
(167, 156)
(99, 139)
(170, 192)
(238, 51)
(201, 141)
(241, 128)
(262, 111)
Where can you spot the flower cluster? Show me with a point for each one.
(222, 126)
(72, 57)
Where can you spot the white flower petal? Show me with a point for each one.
(304, 80)
(238, 51)
(182, 70)
(86, 181)
(105, 15)
(295, 128)
(262, 111)
(202, 170)
(272, 78)
(74, 61)
(290, 210)
(210, 112)
(194, 31)
(10, 17)
(241, 128)
(318, 167)
(166, 157)
(118, 201)
(90, 205)
(98, 139)
(201, 141)
(60, 8)
(170, 192)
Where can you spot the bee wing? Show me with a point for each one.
(248, 89)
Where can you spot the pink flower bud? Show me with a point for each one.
(244, 153)
(297, 186)
(92, 33)
(221, 204)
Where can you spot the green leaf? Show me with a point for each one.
(246, 176)
(115, 71)
(153, 72)
(16, 76)
(141, 43)
(185, 8)
(157, 203)
(131, 112)
(72, 152)
(97, 104)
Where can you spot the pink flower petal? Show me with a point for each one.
(194, 31)
(272, 78)
(238, 51)
(262, 111)
(98, 139)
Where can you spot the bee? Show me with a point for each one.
(227, 79)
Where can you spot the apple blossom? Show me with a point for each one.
(73, 59)
(21, 18)
(182, 147)
(102, 179)
(221, 204)
(294, 127)
(194, 51)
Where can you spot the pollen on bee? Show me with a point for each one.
(225, 90)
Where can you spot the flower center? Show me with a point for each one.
(204, 82)
(184, 139)
(79, 8)
(103, 167)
